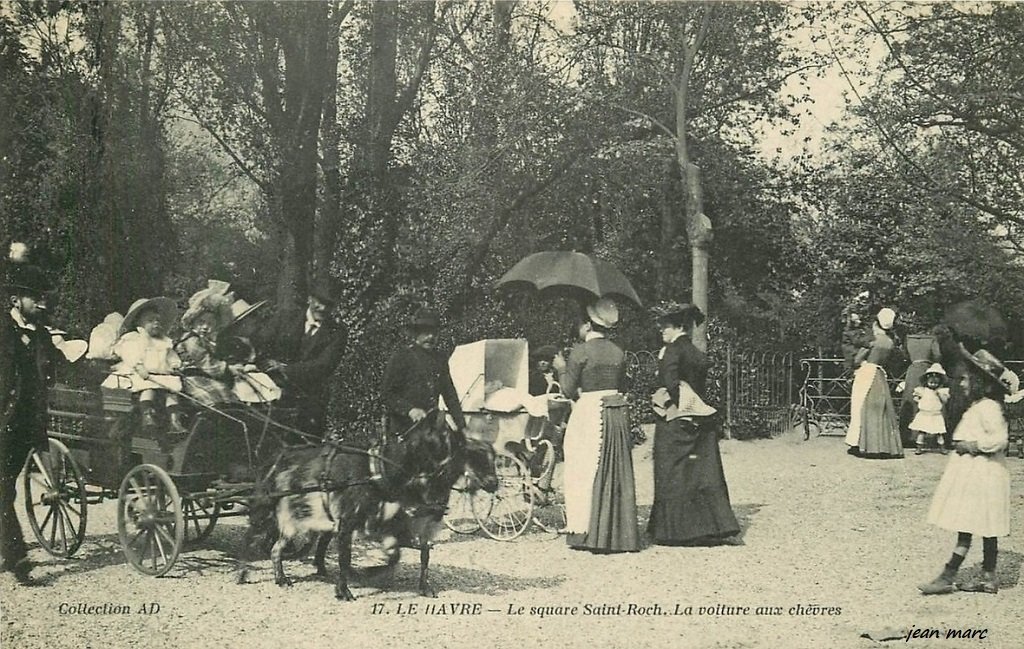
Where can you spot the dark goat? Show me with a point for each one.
(413, 518)
(312, 492)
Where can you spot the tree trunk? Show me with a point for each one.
(330, 138)
(698, 226)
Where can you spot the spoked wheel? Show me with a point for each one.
(55, 499)
(200, 518)
(509, 510)
(460, 518)
(150, 523)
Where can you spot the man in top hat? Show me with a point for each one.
(416, 375)
(26, 362)
(307, 350)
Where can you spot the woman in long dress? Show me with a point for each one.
(874, 430)
(691, 497)
(600, 494)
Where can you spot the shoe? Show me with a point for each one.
(941, 585)
(984, 583)
(149, 422)
(944, 450)
(854, 451)
(919, 451)
(175, 425)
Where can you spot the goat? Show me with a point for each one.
(414, 520)
(332, 491)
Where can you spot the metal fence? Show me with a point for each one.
(825, 393)
(760, 393)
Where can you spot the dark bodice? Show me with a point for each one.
(682, 361)
(597, 364)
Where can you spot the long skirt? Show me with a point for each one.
(874, 429)
(691, 497)
(600, 495)
(973, 496)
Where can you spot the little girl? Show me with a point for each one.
(207, 379)
(148, 360)
(973, 496)
(930, 398)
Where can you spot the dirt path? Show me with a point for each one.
(821, 529)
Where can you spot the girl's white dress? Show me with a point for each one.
(974, 492)
(157, 355)
(929, 417)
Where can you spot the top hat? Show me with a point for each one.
(26, 278)
(213, 299)
(425, 318)
(165, 307)
(604, 312)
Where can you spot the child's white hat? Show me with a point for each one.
(936, 368)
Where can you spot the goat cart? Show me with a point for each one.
(170, 490)
(491, 378)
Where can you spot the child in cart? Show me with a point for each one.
(931, 397)
(148, 363)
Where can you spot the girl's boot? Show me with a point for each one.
(984, 583)
(941, 585)
(920, 445)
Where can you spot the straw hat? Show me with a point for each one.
(992, 368)
(165, 307)
(886, 318)
(604, 312)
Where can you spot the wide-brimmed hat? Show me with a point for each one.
(27, 278)
(240, 309)
(991, 368)
(425, 318)
(886, 318)
(936, 369)
(604, 312)
(214, 299)
(165, 307)
(678, 311)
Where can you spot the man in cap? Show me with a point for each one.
(416, 375)
(307, 350)
(26, 362)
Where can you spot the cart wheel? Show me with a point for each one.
(55, 499)
(509, 511)
(460, 518)
(200, 518)
(150, 523)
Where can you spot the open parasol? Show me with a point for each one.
(575, 271)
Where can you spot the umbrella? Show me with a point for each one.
(571, 270)
(977, 324)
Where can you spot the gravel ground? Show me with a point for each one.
(820, 528)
